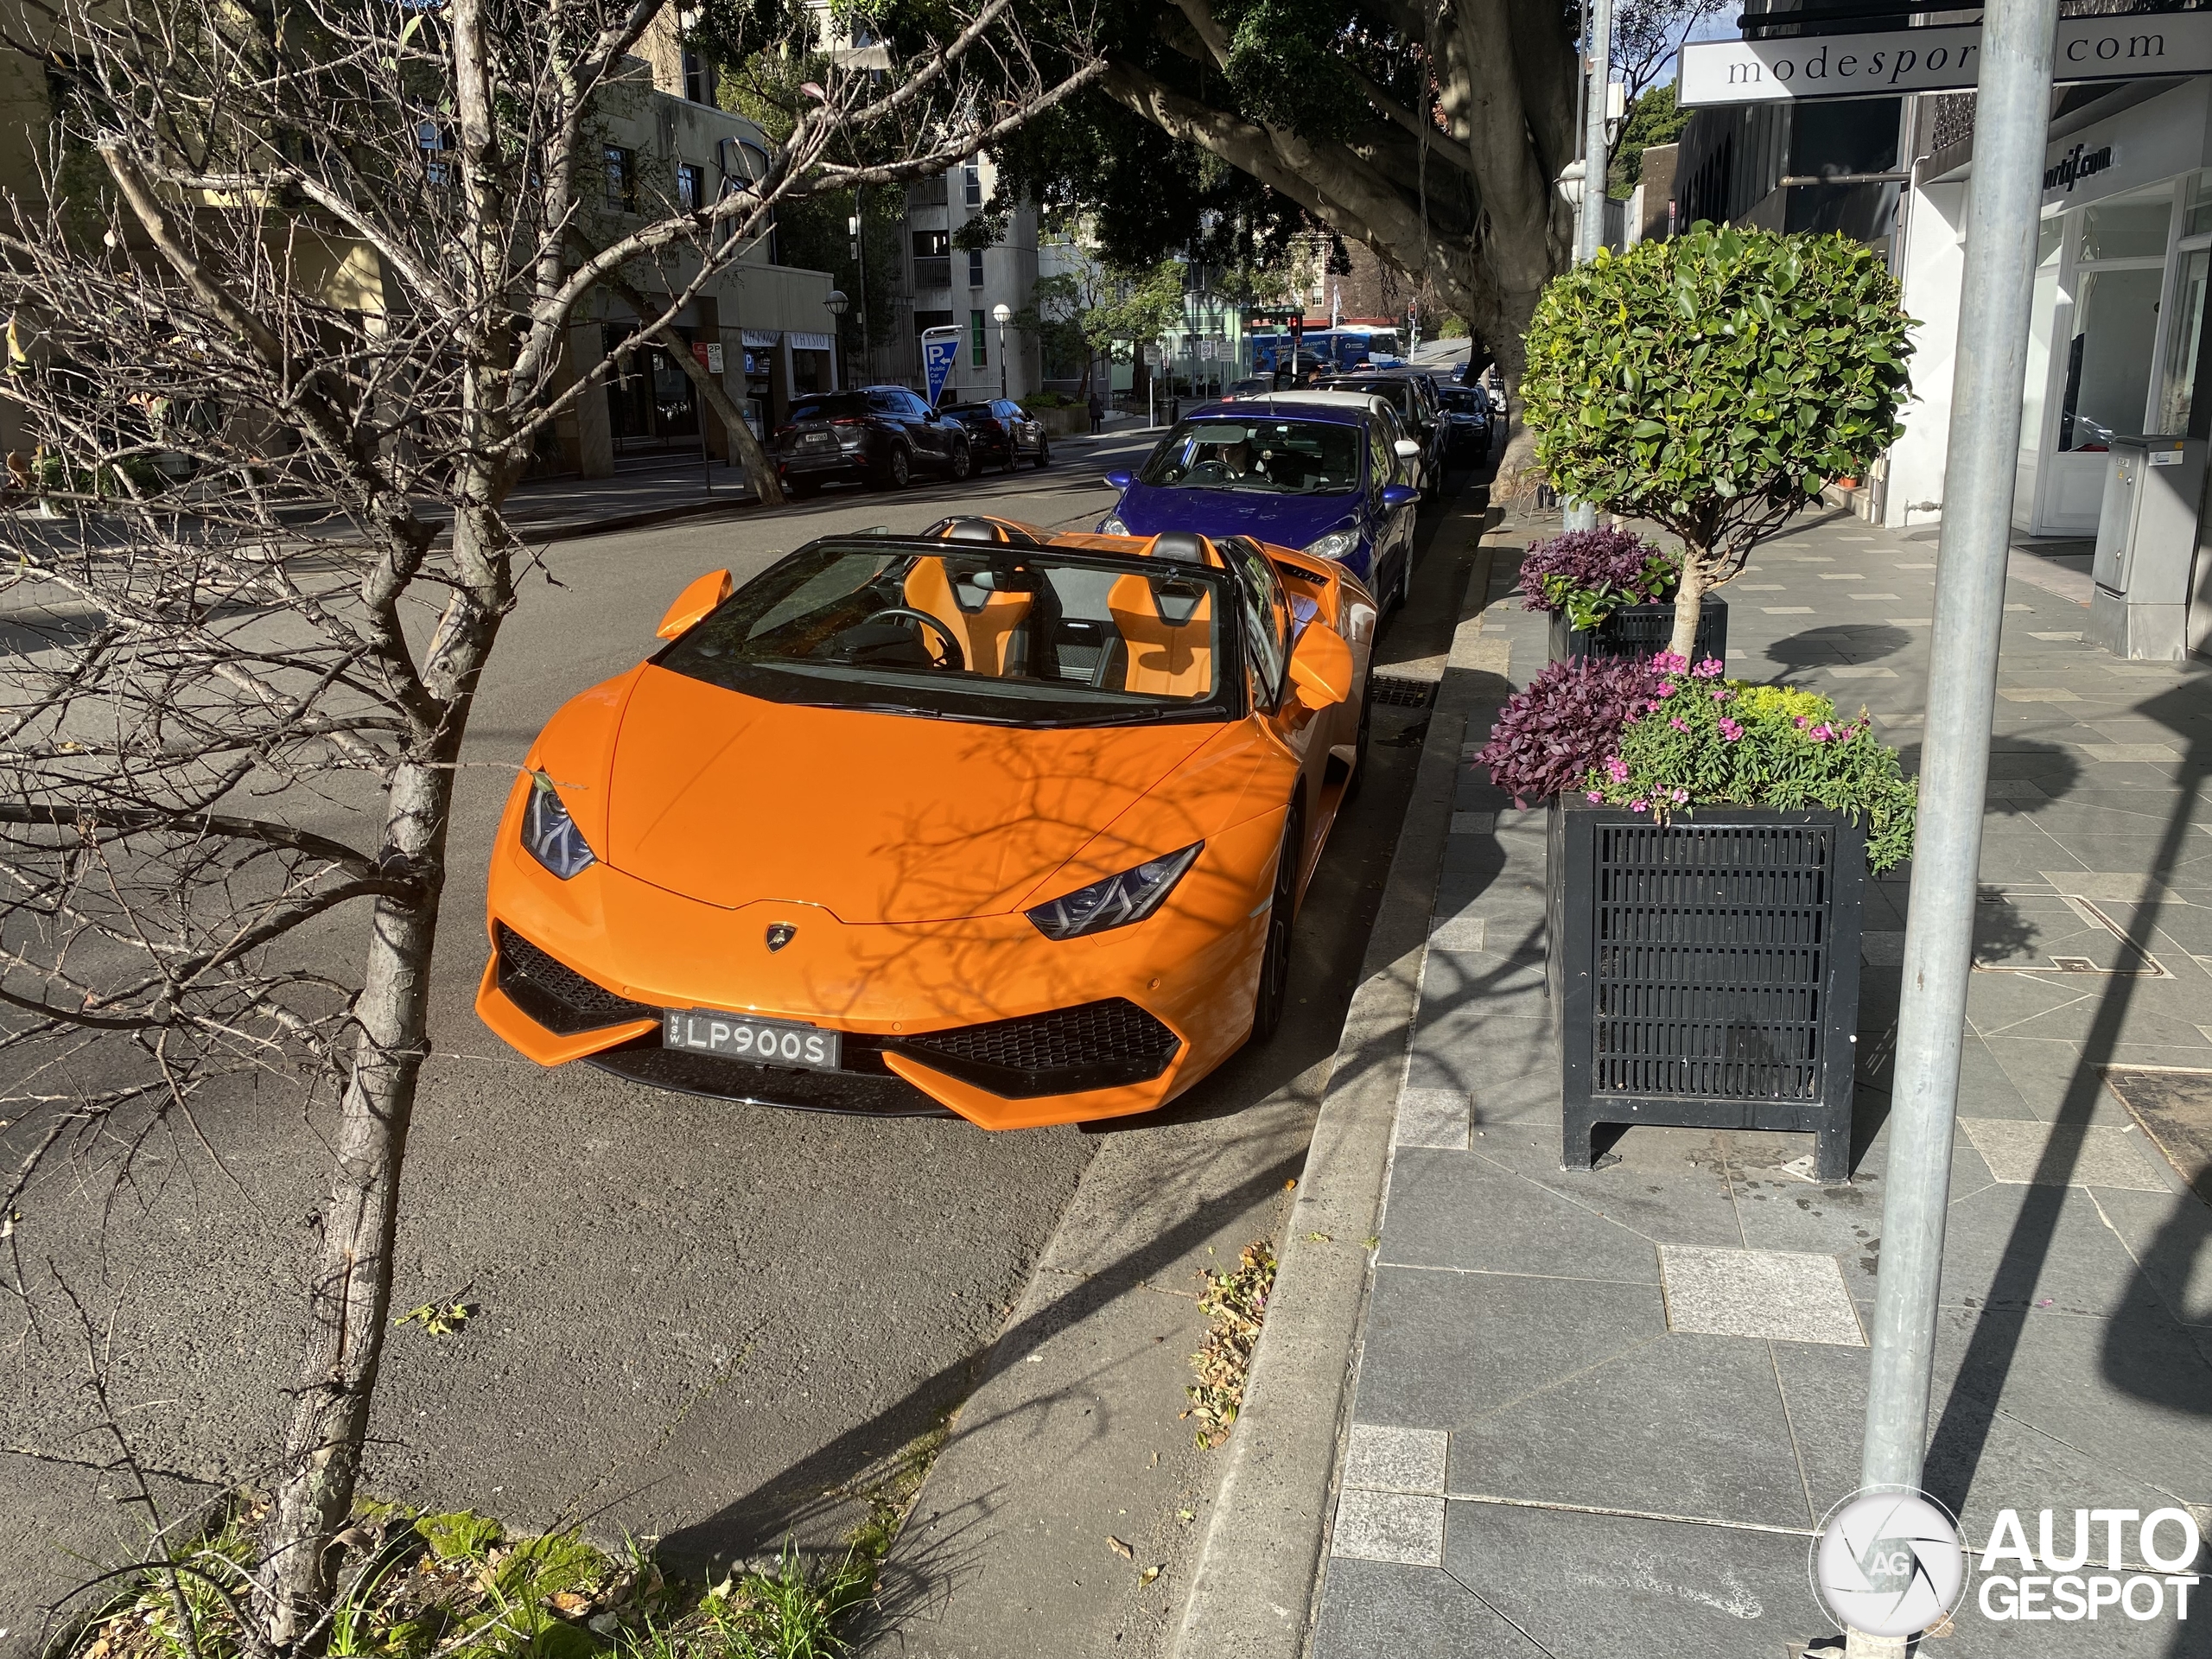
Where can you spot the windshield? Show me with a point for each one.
(1396, 393)
(1265, 457)
(1013, 636)
(1467, 399)
(842, 406)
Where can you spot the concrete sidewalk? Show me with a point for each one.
(1600, 1414)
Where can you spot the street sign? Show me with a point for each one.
(2141, 46)
(710, 357)
(940, 350)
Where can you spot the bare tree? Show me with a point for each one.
(1647, 34)
(293, 304)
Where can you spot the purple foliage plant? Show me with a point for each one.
(1570, 719)
(1589, 573)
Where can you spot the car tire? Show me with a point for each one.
(802, 489)
(1044, 453)
(960, 464)
(1013, 456)
(897, 470)
(1359, 743)
(1273, 995)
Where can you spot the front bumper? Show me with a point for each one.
(982, 1017)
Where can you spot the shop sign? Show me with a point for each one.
(2142, 46)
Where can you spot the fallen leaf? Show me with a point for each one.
(568, 1601)
(1186, 1516)
(1292, 1182)
(1121, 1548)
(1147, 1575)
(1318, 1238)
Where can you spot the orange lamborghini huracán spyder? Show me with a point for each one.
(987, 820)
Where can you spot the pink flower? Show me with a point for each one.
(1708, 669)
(1822, 733)
(1676, 723)
(1719, 696)
(1668, 662)
(1730, 730)
(1616, 769)
(1635, 806)
(1680, 795)
(1666, 690)
(1803, 721)
(1596, 795)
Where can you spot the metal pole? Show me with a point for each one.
(1590, 217)
(860, 261)
(2011, 126)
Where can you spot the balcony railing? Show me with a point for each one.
(933, 271)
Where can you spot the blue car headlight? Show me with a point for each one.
(1116, 901)
(549, 835)
(1111, 525)
(1336, 544)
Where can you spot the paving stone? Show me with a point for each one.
(1383, 1459)
(1886, 950)
(1862, 671)
(1775, 1295)
(1389, 1526)
(1788, 610)
(1473, 824)
(1448, 1209)
(1458, 933)
(2127, 752)
(1433, 1117)
(2038, 693)
(1386, 1610)
(2052, 1154)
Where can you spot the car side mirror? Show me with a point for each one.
(1120, 480)
(1406, 448)
(1395, 496)
(1320, 667)
(694, 603)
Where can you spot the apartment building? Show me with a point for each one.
(940, 284)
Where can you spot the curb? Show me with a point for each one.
(571, 530)
(1258, 1570)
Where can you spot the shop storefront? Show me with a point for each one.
(2121, 281)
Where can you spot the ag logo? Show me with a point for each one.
(780, 934)
(1889, 1563)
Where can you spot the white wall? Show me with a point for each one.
(1935, 266)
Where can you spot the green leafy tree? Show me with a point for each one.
(1653, 119)
(1712, 383)
(1107, 306)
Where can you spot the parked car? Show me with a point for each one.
(1324, 479)
(1414, 396)
(876, 434)
(1044, 809)
(1001, 430)
(1416, 466)
(1258, 383)
(1467, 422)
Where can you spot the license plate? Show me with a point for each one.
(741, 1037)
(816, 440)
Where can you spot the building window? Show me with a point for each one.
(971, 185)
(975, 267)
(698, 77)
(621, 179)
(979, 354)
(430, 139)
(932, 259)
(687, 186)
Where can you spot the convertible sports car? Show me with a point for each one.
(988, 821)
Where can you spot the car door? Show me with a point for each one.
(1393, 531)
(926, 426)
(1021, 430)
(1269, 624)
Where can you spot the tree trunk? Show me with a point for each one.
(1690, 601)
(759, 472)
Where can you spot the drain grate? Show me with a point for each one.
(1389, 692)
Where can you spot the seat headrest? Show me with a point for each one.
(971, 528)
(1179, 545)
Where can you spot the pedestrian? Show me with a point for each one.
(1097, 412)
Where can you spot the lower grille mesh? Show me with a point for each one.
(1092, 1045)
(565, 1001)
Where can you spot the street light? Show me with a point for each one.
(836, 304)
(1000, 314)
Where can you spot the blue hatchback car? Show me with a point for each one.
(1322, 479)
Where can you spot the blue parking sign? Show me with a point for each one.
(940, 348)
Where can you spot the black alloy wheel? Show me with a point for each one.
(1273, 995)
(897, 469)
(1043, 451)
(961, 463)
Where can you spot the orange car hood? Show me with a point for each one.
(876, 817)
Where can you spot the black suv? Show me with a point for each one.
(879, 434)
(1002, 430)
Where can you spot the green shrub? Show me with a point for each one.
(1712, 383)
(1708, 741)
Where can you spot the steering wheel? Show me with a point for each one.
(953, 657)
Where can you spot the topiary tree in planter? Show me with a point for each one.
(1712, 383)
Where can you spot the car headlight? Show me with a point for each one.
(1336, 544)
(549, 835)
(1111, 525)
(1116, 901)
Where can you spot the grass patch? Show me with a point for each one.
(1236, 1303)
(458, 1586)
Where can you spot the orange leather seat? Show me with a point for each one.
(983, 622)
(1165, 658)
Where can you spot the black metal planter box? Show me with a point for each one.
(1641, 631)
(1704, 973)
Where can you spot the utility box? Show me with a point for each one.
(2146, 543)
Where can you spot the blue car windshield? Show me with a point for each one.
(1268, 457)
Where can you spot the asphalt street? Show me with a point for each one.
(697, 1321)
